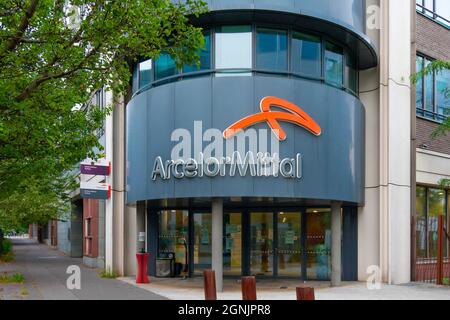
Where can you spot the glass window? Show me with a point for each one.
(334, 65)
(205, 57)
(419, 84)
(421, 222)
(173, 236)
(271, 49)
(232, 244)
(165, 67)
(289, 244)
(443, 10)
(318, 244)
(145, 73)
(442, 93)
(436, 207)
(233, 47)
(306, 57)
(261, 245)
(202, 242)
(429, 90)
(352, 73)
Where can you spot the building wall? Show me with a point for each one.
(425, 129)
(433, 39)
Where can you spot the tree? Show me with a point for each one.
(443, 129)
(54, 54)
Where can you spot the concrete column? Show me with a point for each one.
(217, 242)
(336, 244)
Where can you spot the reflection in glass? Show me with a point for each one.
(233, 47)
(289, 244)
(421, 222)
(202, 242)
(306, 56)
(145, 73)
(205, 57)
(334, 64)
(165, 66)
(352, 74)
(443, 93)
(436, 207)
(318, 242)
(271, 49)
(429, 90)
(173, 235)
(232, 244)
(261, 243)
(419, 84)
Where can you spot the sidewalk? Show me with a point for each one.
(45, 275)
(192, 289)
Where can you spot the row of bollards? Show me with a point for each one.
(248, 287)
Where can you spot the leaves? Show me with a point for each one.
(54, 55)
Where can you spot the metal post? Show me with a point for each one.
(440, 249)
(210, 285)
(248, 285)
(305, 294)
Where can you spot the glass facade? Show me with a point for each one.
(231, 51)
(271, 49)
(306, 57)
(165, 67)
(334, 62)
(233, 47)
(291, 244)
(432, 92)
(430, 204)
(205, 57)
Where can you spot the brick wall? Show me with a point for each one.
(432, 40)
(425, 129)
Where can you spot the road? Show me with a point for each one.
(45, 275)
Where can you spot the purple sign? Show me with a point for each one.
(95, 169)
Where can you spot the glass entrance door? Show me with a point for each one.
(261, 243)
(202, 242)
(232, 244)
(289, 248)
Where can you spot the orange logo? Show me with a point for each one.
(294, 115)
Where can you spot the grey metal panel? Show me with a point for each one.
(333, 163)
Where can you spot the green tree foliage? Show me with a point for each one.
(444, 128)
(54, 54)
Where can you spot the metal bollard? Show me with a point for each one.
(248, 285)
(305, 294)
(209, 277)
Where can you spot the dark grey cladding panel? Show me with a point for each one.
(333, 163)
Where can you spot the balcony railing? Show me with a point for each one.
(433, 15)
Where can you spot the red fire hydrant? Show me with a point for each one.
(142, 276)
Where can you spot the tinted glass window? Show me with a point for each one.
(421, 222)
(205, 57)
(145, 73)
(419, 84)
(165, 66)
(352, 74)
(233, 47)
(442, 92)
(271, 49)
(334, 57)
(306, 54)
(429, 89)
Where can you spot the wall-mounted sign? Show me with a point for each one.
(90, 190)
(98, 168)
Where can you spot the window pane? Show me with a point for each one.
(145, 73)
(421, 233)
(428, 4)
(443, 9)
(436, 207)
(419, 84)
(334, 64)
(202, 242)
(429, 91)
(173, 236)
(232, 244)
(205, 57)
(318, 244)
(165, 66)
(271, 49)
(442, 93)
(289, 244)
(352, 74)
(234, 47)
(306, 54)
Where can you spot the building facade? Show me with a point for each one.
(342, 199)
